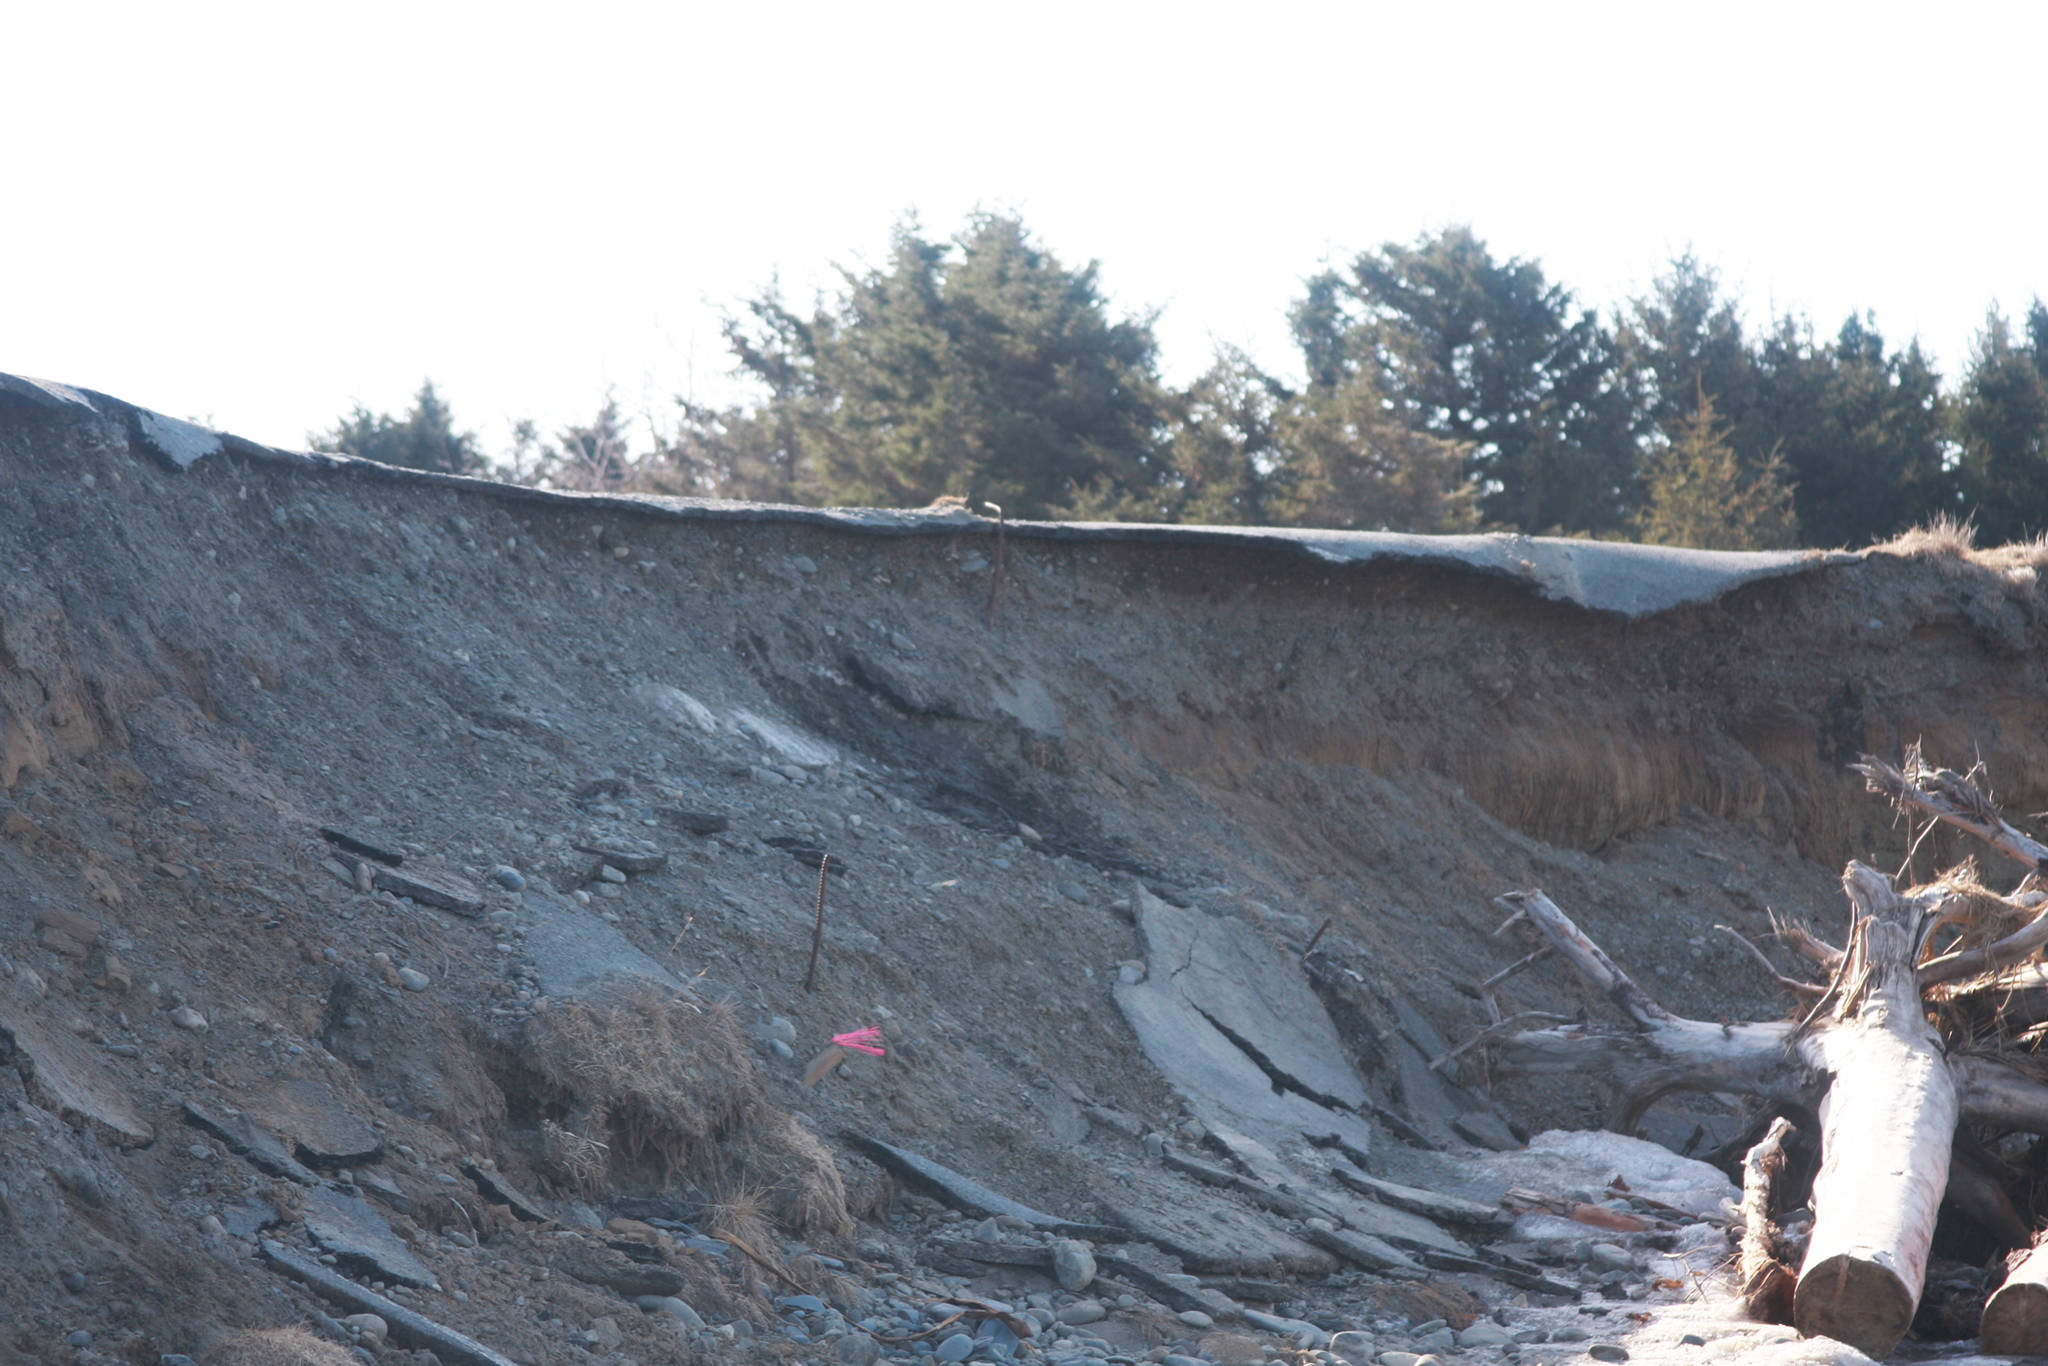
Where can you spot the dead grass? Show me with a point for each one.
(664, 1089)
(292, 1346)
(1950, 543)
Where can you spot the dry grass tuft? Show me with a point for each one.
(278, 1347)
(1944, 537)
(664, 1089)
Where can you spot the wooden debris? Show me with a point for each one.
(1767, 1283)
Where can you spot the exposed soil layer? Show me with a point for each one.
(200, 667)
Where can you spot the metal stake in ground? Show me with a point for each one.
(818, 926)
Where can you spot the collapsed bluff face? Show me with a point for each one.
(1216, 745)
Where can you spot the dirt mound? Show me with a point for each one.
(652, 718)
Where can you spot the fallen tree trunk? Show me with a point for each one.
(1887, 1122)
(2016, 1316)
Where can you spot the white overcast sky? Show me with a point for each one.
(259, 214)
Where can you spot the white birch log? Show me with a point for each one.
(1887, 1124)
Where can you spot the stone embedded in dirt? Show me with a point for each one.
(256, 1145)
(693, 822)
(1607, 1351)
(185, 1017)
(806, 853)
(370, 1327)
(857, 1349)
(1487, 1129)
(384, 1190)
(636, 857)
(324, 1133)
(677, 1309)
(1073, 1265)
(67, 932)
(508, 877)
(64, 1077)
(348, 1227)
(604, 1334)
(1082, 1311)
(412, 979)
(575, 955)
(610, 874)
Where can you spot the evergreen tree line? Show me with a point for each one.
(1446, 390)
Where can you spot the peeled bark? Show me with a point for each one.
(1887, 1124)
(2016, 1316)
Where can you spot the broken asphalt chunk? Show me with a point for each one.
(637, 857)
(65, 1078)
(951, 1188)
(1362, 1249)
(251, 1142)
(406, 1328)
(1449, 1209)
(360, 1240)
(440, 891)
(323, 1132)
(341, 839)
(499, 1191)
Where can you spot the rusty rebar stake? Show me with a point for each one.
(817, 927)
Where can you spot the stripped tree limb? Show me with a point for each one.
(1520, 965)
(1766, 1282)
(1953, 798)
(1791, 984)
(1805, 943)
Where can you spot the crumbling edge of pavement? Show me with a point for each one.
(1631, 581)
(407, 1327)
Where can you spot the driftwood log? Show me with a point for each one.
(1924, 1023)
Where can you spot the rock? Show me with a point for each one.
(1195, 1318)
(1485, 1333)
(1232, 1349)
(1692, 1340)
(604, 1334)
(1436, 1340)
(693, 822)
(1571, 1332)
(625, 856)
(1400, 1358)
(413, 979)
(1082, 1311)
(988, 1231)
(1609, 1257)
(1155, 1146)
(1073, 1265)
(384, 1190)
(115, 976)
(781, 1049)
(610, 874)
(74, 1282)
(809, 1304)
(857, 1349)
(955, 1348)
(779, 1028)
(80, 1338)
(369, 1326)
(1354, 1347)
(1607, 1351)
(679, 1310)
(508, 877)
(803, 564)
(1487, 1129)
(605, 1266)
(185, 1017)
(1074, 891)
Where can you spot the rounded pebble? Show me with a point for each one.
(81, 1338)
(413, 979)
(370, 1326)
(508, 877)
(1073, 1266)
(1195, 1318)
(955, 1348)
